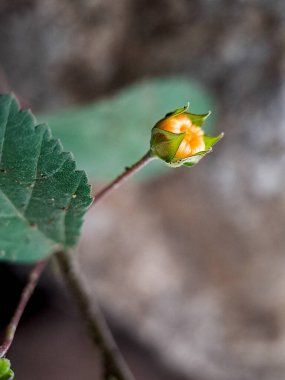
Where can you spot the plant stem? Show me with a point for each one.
(25, 296)
(121, 178)
(114, 366)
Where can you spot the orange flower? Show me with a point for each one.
(179, 139)
(193, 141)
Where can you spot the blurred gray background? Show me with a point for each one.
(189, 267)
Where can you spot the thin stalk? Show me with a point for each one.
(123, 177)
(114, 366)
(24, 299)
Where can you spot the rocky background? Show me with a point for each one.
(188, 267)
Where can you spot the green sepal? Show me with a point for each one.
(165, 144)
(193, 160)
(5, 370)
(211, 140)
(178, 111)
(189, 161)
(198, 120)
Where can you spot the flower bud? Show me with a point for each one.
(179, 139)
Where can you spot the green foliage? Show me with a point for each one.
(5, 370)
(115, 132)
(42, 197)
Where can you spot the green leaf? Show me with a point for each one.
(115, 131)
(165, 144)
(42, 196)
(5, 370)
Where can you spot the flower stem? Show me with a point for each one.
(121, 178)
(114, 366)
(25, 296)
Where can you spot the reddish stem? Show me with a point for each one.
(123, 177)
(25, 296)
(114, 366)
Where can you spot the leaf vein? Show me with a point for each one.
(35, 175)
(69, 203)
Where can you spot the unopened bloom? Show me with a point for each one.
(179, 139)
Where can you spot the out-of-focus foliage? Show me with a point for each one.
(42, 197)
(113, 133)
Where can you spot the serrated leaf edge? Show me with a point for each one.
(47, 130)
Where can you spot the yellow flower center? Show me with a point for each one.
(193, 141)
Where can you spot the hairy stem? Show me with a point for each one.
(114, 366)
(121, 178)
(25, 296)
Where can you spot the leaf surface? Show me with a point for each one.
(43, 198)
